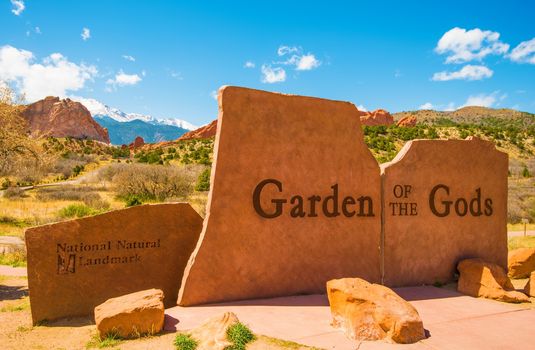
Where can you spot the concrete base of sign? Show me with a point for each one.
(452, 320)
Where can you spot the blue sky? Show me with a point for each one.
(167, 58)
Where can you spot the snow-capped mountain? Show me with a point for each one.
(123, 127)
(99, 109)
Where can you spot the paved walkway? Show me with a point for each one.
(520, 233)
(12, 271)
(454, 321)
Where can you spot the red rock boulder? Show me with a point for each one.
(204, 132)
(377, 117)
(529, 289)
(408, 121)
(521, 262)
(138, 142)
(367, 311)
(63, 118)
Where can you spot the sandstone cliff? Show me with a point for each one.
(63, 118)
(204, 132)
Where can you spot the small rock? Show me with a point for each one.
(212, 335)
(368, 311)
(529, 289)
(521, 262)
(132, 314)
(483, 279)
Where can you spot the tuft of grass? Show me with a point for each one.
(110, 340)
(185, 342)
(239, 335)
(15, 259)
(286, 344)
(21, 305)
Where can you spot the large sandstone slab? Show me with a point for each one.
(271, 151)
(444, 200)
(76, 265)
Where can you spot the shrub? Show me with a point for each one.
(239, 335)
(185, 342)
(14, 193)
(15, 259)
(525, 172)
(203, 181)
(155, 183)
(132, 201)
(76, 210)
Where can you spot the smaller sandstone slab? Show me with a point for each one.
(368, 311)
(521, 262)
(131, 315)
(479, 278)
(212, 335)
(530, 286)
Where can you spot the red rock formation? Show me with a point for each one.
(204, 132)
(63, 118)
(138, 142)
(377, 117)
(408, 121)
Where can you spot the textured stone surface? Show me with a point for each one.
(424, 247)
(521, 262)
(212, 335)
(483, 279)
(377, 117)
(309, 145)
(75, 265)
(368, 311)
(203, 132)
(61, 118)
(529, 289)
(131, 315)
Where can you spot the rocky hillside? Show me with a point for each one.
(63, 118)
(204, 132)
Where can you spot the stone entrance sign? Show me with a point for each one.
(444, 201)
(295, 200)
(76, 265)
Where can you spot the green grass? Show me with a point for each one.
(286, 344)
(521, 242)
(111, 339)
(239, 335)
(76, 210)
(24, 304)
(185, 342)
(15, 259)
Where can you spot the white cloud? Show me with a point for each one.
(54, 76)
(176, 75)
(86, 34)
(273, 75)
(397, 73)
(213, 94)
(482, 100)
(129, 58)
(307, 62)
(298, 59)
(37, 30)
(524, 52)
(122, 79)
(249, 64)
(362, 108)
(468, 72)
(18, 7)
(463, 45)
(427, 105)
(284, 50)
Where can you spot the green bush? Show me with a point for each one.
(132, 201)
(185, 342)
(76, 210)
(203, 181)
(525, 172)
(239, 335)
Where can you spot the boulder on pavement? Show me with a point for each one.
(521, 262)
(529, 289)
(483, 279)
(368, 311)
(131, 315)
